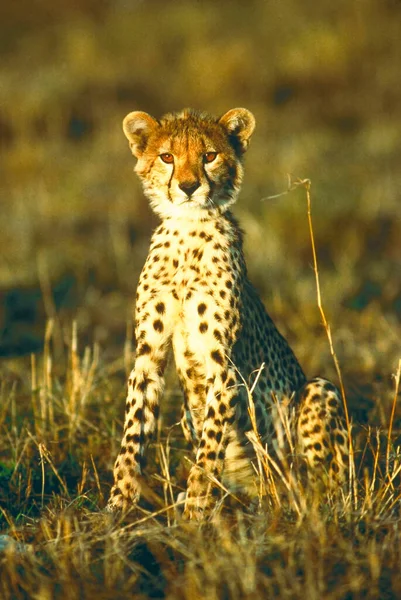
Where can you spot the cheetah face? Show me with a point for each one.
(190, 163)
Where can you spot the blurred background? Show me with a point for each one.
(324, 82)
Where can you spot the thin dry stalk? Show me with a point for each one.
(34, 394)
(306, 184)
(75, 373)
(96, 474)
(397, 377)
(89, 372)
(167, 486)
(46, 456)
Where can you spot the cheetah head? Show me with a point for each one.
(190, 163)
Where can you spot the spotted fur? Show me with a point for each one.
(194, 294)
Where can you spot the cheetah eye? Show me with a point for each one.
(209, 157)
(167, 157)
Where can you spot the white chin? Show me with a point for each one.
(190, 209)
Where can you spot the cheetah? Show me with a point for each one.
(194, 295)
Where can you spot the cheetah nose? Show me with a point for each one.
(189, 187)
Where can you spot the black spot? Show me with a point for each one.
(142, 385)
(211, 456)
(160, 308)
(340, 438)
(211, 433)
(217, 357)
(158, 325)
(329, 387)
(317, 446)
(175, 263)
(222, 294)
(217, 335)
(203, 327)
(219, 435)
(138, 414)
(210, 413)
(335, 467)
(144, 349)
(316, 429)
(136, 438)
(229, 284)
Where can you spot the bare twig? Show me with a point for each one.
(397, 377)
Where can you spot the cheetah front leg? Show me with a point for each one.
(220, 410)
(145, 386)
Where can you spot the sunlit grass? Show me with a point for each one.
(58, 443)
(323, 82)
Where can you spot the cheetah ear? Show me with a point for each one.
(239, 123)
(137, 127)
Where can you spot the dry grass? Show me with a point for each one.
(323, 82)
(62, 441)
(61, 438)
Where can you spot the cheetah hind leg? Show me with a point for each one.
(322, 437)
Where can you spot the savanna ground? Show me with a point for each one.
(324, 83)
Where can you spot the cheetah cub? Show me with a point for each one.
(194, 293)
